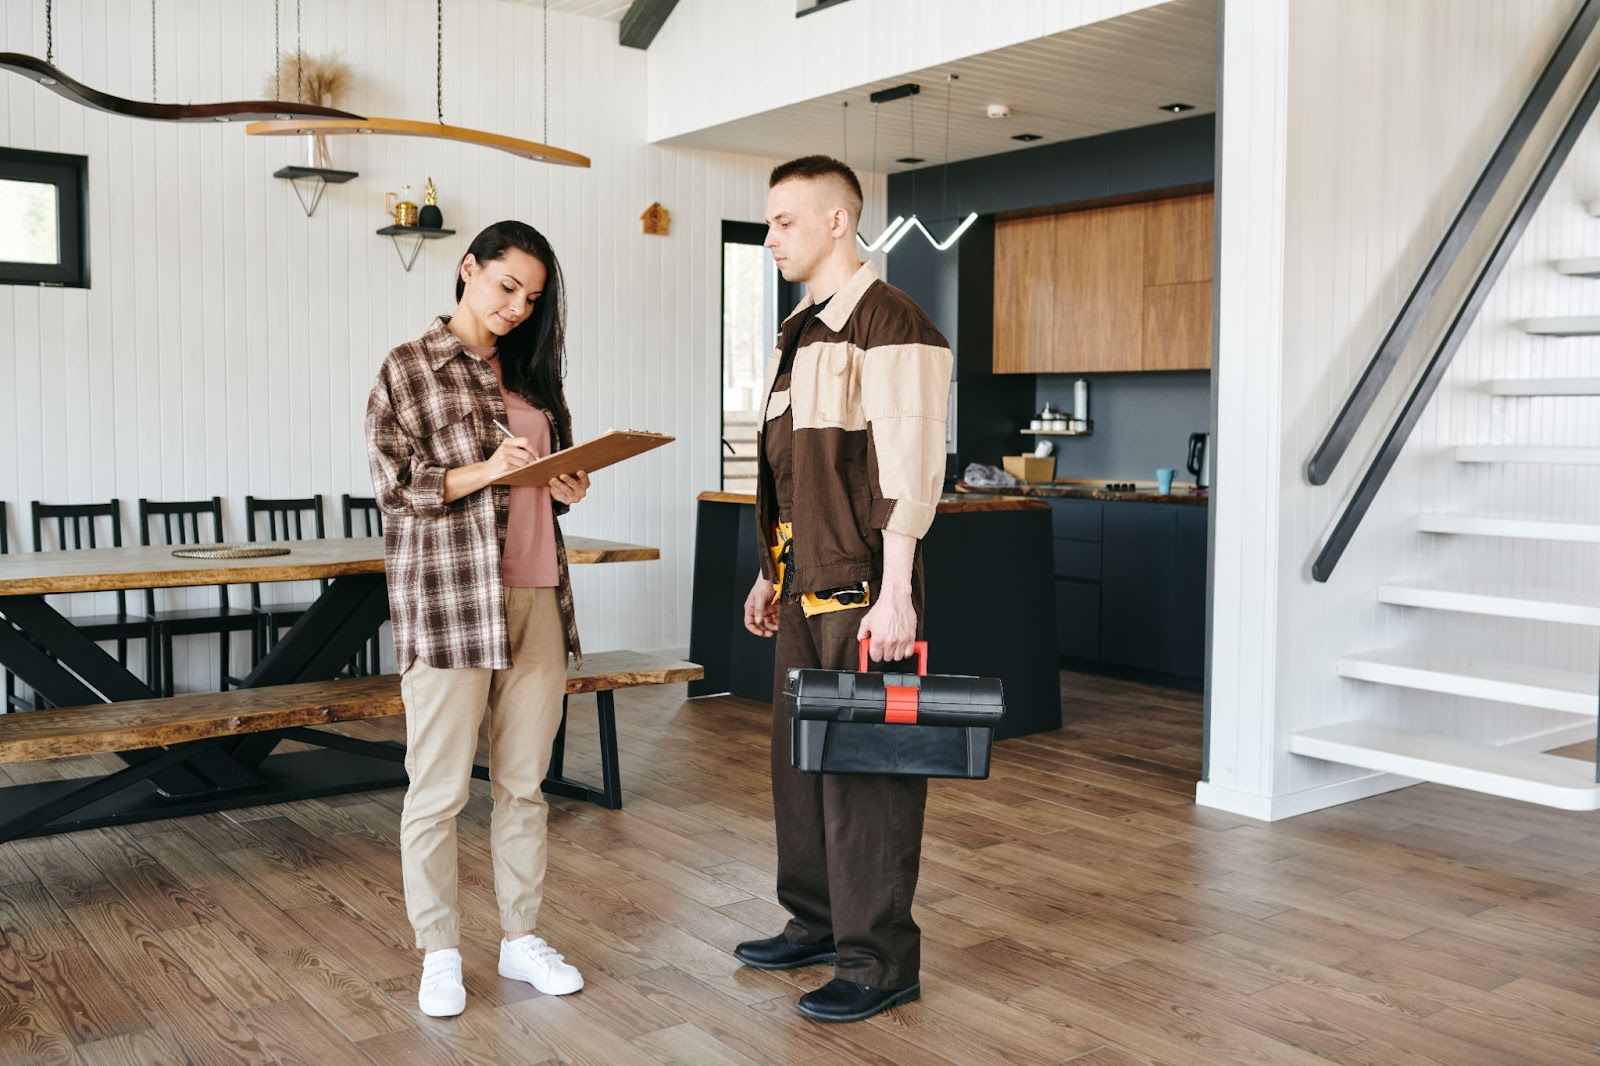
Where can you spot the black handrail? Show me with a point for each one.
(1439, 362)
(1356, 407)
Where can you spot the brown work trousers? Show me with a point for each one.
(848, 844)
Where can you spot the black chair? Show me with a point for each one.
(76, 527)
(275, 520)
(190, 522)
(366, 507)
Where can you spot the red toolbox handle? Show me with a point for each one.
(922, 656)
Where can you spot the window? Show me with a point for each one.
(44, 218)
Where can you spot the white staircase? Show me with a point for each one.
(1545, 387)
(1563, 326)
(1563, 705)
(1515, 528)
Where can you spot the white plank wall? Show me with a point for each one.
(228, 342)
(1384, 114)
(777, 59)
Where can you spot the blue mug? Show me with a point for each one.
(1164, 481)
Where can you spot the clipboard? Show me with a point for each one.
(609, 448)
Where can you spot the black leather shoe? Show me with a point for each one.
(780, 953)
(845, 1001)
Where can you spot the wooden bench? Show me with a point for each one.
(181, 725)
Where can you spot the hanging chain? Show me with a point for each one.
(49, 34)
(546, 105)
(438, 59)
(299, 59)
(875, 106)
(277, 50)
(152, 49)
(944, 182)
(913, 155)
(844, 123)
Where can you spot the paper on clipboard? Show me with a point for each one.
(609, 448)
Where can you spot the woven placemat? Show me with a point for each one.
(229, 551)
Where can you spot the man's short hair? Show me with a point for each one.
(822, 166)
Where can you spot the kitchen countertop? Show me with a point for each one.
(1092, 490)
(949, 503)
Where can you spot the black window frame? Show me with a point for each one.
(70, 176)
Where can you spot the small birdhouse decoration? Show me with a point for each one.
(657, 220)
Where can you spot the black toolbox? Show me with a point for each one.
(906, 724)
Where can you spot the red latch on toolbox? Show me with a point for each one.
(900, 704)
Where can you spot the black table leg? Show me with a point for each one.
(51, 655)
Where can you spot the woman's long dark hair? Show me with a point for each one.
(533, 356)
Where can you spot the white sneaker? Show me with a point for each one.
(441, 994)
(530, 959)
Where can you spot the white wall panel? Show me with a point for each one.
(228, 342)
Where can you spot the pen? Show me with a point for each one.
(503, 429)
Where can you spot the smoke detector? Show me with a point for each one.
(999, 110)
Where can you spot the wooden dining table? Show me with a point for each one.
(46, 651)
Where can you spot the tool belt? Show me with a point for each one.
(823, 601)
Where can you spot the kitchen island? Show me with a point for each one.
(991, 606)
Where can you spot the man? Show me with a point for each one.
(851, 466)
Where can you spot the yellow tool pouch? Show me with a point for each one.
(826, 601)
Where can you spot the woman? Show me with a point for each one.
(478, 590)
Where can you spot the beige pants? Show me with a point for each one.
(444, 709)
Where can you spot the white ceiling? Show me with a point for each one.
(1110, 75)
(610, 10)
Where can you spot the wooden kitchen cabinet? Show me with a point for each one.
(1178, 241)
(1025, 303)
(1107, 289)
(1177, 326)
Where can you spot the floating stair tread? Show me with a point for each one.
(1545, 387)
(1505, 601)
(1522, 528)
(1563, 326)
(1550, 780)
(1526, 453)
(1528, 686)
(1586, 267)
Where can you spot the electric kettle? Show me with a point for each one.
(1199, 463)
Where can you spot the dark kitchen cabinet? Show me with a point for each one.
(1130, 579)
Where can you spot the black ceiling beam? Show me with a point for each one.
(643, 21)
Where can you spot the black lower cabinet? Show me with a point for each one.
(1077, 619)
(1131, 588)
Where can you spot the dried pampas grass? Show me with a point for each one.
(325, 79)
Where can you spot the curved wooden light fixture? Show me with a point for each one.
(542, 153)
(36, 69)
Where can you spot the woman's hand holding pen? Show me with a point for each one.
(514, 453)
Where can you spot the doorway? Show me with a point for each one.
(754, 302)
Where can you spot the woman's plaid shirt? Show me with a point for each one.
(434, 408)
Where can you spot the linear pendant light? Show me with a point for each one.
(916, 223)
(542, 153)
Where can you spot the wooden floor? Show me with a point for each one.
(1077, 907)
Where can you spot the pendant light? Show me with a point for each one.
(893, 228)
(44, 72)
(542, 153)
(916, 223)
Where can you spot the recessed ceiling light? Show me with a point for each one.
(1027, 137)
(911, 160)
(1175, 108)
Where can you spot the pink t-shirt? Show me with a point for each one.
(529, 559)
